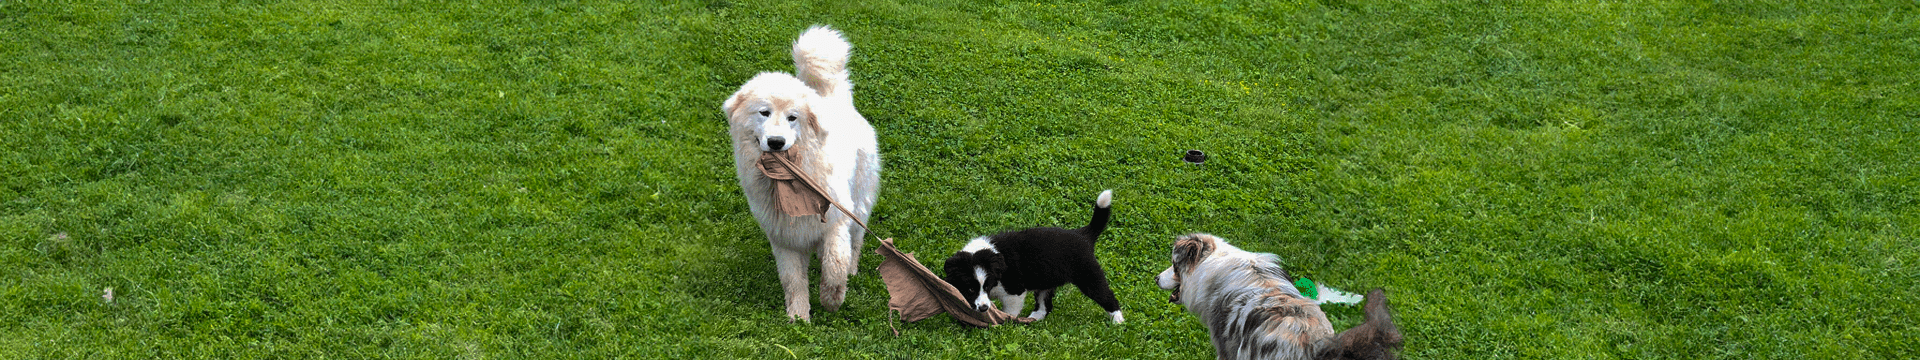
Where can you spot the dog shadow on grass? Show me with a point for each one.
(739, 273)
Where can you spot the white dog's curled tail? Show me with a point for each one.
(820, 57)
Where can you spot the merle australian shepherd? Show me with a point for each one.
(1009, 264)
(1253, 311)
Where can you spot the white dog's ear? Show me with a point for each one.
(813, 117)
(733, 102)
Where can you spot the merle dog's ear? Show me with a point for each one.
(1183, 252)
(1189, 251)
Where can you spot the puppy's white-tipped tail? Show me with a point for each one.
(820, 57)
(1102, 215)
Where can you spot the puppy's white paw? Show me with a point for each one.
(1038, 315)
(1117, 318)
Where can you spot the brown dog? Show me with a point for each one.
(1253, 311)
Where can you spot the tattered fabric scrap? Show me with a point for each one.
(791, 195)
(917, 293)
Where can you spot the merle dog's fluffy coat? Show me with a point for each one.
(1009, 264)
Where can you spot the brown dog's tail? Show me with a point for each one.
(1377, 338)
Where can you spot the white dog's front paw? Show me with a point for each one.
(831, 296)
(1038, 315)
(799, 311)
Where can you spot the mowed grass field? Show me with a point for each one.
(552, 179)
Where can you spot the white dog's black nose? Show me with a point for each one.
(777, 143)
(980, 308)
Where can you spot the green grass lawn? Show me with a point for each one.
(552, 179)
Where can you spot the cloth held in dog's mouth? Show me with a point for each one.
(790, 194)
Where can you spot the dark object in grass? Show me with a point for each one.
(918, 294)
(1195, 157)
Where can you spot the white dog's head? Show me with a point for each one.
(772, 111)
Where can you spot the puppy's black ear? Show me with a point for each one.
(955, 267)
(995, 263)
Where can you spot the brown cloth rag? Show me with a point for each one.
(790, 195)
(918, 294)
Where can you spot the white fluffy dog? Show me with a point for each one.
(812, 118)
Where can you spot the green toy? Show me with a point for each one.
(1307, 288)
(1331, 295)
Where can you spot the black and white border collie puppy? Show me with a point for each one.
(1009, 264)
